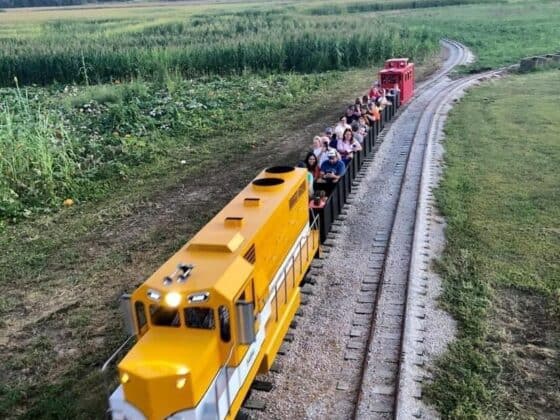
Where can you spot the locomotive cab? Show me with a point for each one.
(179, 367)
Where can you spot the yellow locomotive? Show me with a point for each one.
(214, 315)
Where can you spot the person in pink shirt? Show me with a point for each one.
(347, 146)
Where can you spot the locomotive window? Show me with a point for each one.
(140, 314)
(164, 317)
(199, 318)
(225, 331)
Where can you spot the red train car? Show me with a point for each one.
(400, 72)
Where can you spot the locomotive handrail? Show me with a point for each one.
(108, 362)
(227, 383)
(116, 353)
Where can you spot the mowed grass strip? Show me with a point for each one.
(501, 197)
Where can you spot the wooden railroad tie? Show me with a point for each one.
(251, 404)
(262, 385)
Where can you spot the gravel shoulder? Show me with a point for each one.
(315, 378)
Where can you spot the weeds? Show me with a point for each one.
(72, 142)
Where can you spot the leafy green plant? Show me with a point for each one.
(69, 143)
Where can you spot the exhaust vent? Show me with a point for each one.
(279, 169)
(267, 182)
(251, 255)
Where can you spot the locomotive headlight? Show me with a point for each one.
(181, 383)
(125, 378)
(172, 299)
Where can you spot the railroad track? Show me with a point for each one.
(381, 375)
(360, 375)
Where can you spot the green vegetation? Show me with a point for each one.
(147, 154)
(71, 141)
(276, 40)
(498, 34)
(76, 142)
(501, 197)
(379, 6)
(45, 3)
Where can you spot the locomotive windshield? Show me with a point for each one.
(202, 318)
(164, 316)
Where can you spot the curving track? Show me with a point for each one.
(344, 361)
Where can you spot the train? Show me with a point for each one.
(214, 315)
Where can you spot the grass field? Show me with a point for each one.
(499, 34)
(75, 140)
(501, 198)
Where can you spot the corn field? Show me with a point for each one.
(95, 51)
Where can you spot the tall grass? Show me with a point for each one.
(267, 41)
(38, 162)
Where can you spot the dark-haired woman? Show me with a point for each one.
(347, 146)
(312, 165)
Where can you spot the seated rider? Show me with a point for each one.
(312, 165)
(332, 169)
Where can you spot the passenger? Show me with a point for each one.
(318, 148)
(384, 102)
(310, 180)
(319, 200)
(312, 165)
(347, 146)
(349, 115)
(322, 157)
(362, 123)
(373, 114)
(340, 127)
(374, 91)
(358, 135)
(328, 134)
(332, 169)
(364, 115)
(365, 101)
(357, 113)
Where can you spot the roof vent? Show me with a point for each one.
(251, 255)
(234, 222)
(252, 202)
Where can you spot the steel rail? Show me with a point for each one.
(460, 54)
